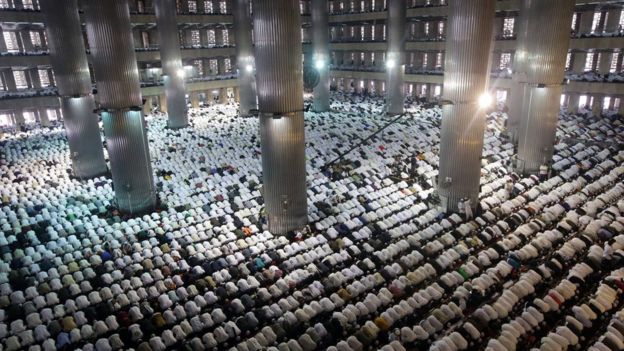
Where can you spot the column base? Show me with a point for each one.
(128, 150)
(84, 137)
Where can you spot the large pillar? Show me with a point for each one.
(171, 61)
(43, 117)
(597, 105)
(573, 102)
(245, 57)
(3, 47)
(587, 19)
(69, 60)
(578, 61)
(518, 76)
(20, 121)
(35, 80)
(320, 43)
(223, 97)
(8, 79)
(277, 25)
(194, 99)
(468, 46)
(604, 63)
(162, 103)
(114, 63)
(547, 44)
(147, 106)
(395, 56)
(613, 20)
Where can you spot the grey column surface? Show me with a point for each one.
(43, 117)
(117, 76)
(468, 44)
(613, 20)
(598, 105)
(573, 102)
(9, 80)
(26, 41)
(518, 75)
(3, 47)
(69, 60)
(19, 118)
(171, 61)
(320, 43)
(245, 57)
(395, 56)
(585, 24)
(279, 77)
(547, 44)
(604, 63)
(35, 80)
(578, 61)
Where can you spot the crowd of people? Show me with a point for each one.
(380, 266)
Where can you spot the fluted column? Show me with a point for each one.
(114, 63)
(69, 60)
(320, 43)
(547, 44)
(395, 56)
(518, 76)
(468, 44)
(245, 57)
(277, 28)
(171, 61)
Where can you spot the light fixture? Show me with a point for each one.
(180, 73)
(485, 100)
(390, 63)
(319, 64)
(249, 68)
